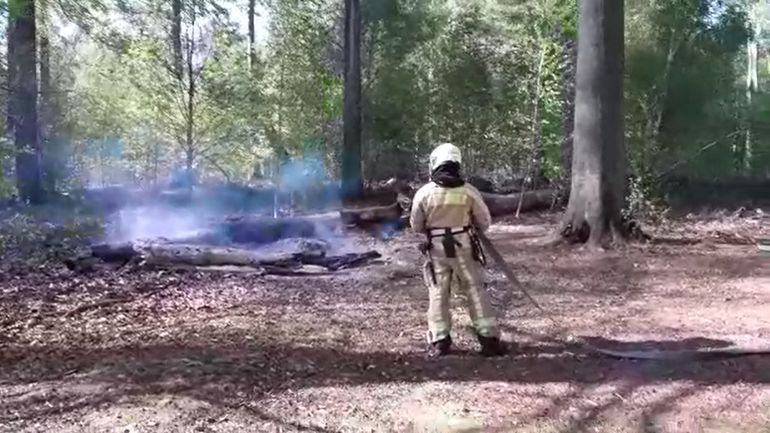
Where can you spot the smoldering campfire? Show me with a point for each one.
(156, 233)
(285, 228)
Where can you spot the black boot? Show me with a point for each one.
(440, 347)
(492, 346)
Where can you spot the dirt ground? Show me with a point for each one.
(205, 352)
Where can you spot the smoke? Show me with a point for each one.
(148, 222)
(300, 174)
(305, 179)
(199, 212)
(389, 230)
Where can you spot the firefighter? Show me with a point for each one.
(447, 211)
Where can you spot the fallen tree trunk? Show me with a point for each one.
(121, 252)
(203, 255)
(499, 205)
(506, 204)
(206, 255)
(344, 261)
(373, 214)
(265, 230)
(277, 261)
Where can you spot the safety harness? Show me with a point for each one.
(450, 244)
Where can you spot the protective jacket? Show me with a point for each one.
(445, 215)
(436, 207)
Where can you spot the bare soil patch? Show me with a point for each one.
(218, 352)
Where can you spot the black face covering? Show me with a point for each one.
(448, 175)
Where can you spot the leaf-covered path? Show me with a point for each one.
(211, 352)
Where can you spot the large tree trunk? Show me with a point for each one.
(22, 64)
(598, 169)
(352, 182)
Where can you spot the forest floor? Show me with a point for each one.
(205, 352)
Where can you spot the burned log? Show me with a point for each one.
(194, 255)
(264, 230)
(400, 195)
(482, 184)
(204, 255)
(372, 214)
(110, 253)
(280, 259)
(345, 261)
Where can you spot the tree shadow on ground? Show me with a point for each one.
(232, 370)
(241, 370)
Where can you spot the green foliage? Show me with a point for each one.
(462, 71)
(46, 234)
(684, 102)
(7, 153)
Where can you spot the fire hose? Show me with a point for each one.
(663, 355)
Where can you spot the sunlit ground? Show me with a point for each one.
(344, 353)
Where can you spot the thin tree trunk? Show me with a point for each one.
(535, 170)
(569, 62)
(661, 98)
(176, 37)
(11, 109)
(752, 85)
(252, 37)
(22, 63)
(191, 89)
(598, 169)
(352, 182)
(102, 169)
(155, 162)
(46, 104)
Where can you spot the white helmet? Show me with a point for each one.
(443, 153)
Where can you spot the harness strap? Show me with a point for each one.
(435, 232)
(448, 240)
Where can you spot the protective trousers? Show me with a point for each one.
(468, 273)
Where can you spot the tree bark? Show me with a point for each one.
(752, 83)
(599, 169)
(10, 124)
(49, 169)
(176, 37)
(508, 204)
(264, 230)
(23, 116)
(352, 182)
(373, 214)
(498, 204)
(276, 262)
(569, 61)
(535, 169)
(252, 37)
(190, 97)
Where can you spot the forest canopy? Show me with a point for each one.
(139, 92)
